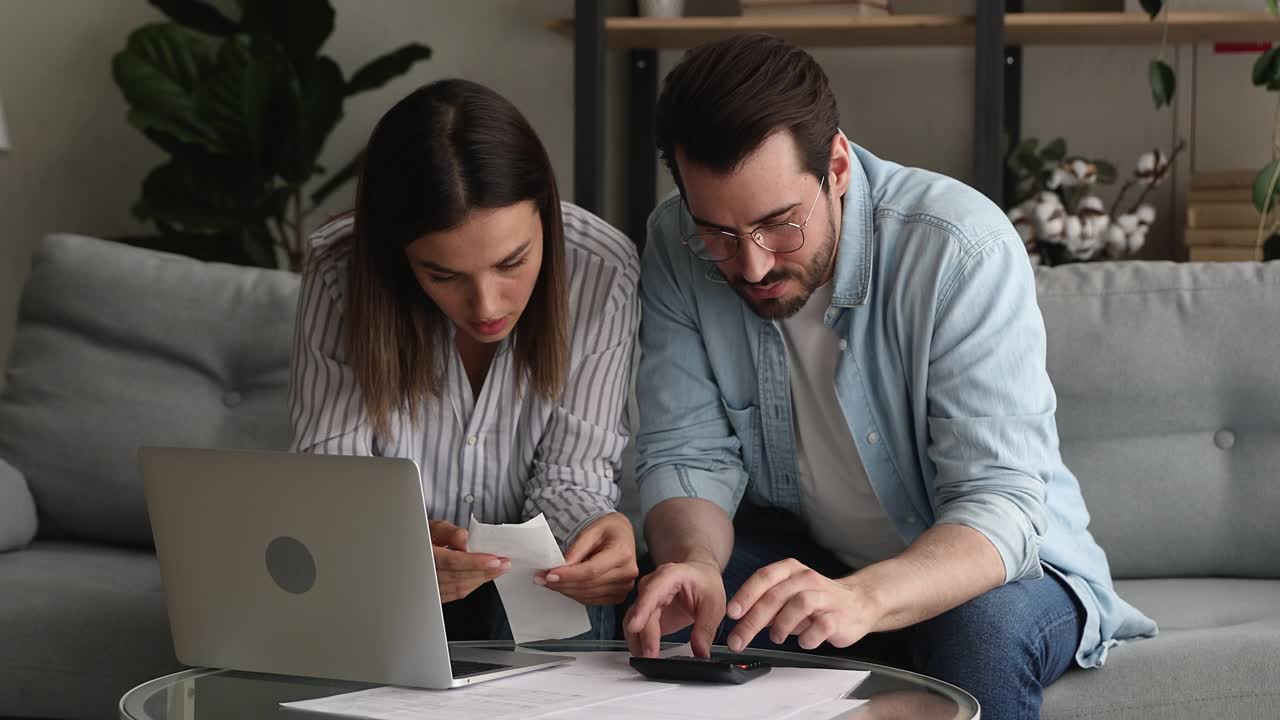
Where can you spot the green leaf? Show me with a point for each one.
(1153, 7)
(197, 194)
(1274, 6)
(164, 131)
(158, 72)
(344, 175)
(197, 15)
(1266, 69)
(234, 99)
(1106, 172)
(299, 26)
(1055, 151)
(321, 91)
(1163, 83)
(1266, 181)
(377, 72)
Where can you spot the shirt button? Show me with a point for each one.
(912, 520)
(873, 437)
(608, 472)
(232, 399)
(469, 498)
(471, 440)
(844, 344)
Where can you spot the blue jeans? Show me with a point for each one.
(480, 616)
(1003, 647)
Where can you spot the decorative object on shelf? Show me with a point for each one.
(660, 8)
(1222, 221)
(243, 108)
(1265, 187)
(1059, 216)
(859, 8)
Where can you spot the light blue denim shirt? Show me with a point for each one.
(942, 382)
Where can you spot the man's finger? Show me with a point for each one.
(655, 592)
(799, 609)
(762, 613)
(705, 624)
(760, 582)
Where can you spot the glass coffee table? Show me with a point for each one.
(204, 694)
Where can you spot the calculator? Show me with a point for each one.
(734, 671)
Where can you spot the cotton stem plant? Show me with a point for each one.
(1060, 215)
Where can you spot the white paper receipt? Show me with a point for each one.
(535, 612)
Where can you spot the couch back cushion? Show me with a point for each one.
(118, 348)
(1168, 383)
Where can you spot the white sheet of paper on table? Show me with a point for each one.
(603, 684)
(530, 695)
(783, 693)
(534, 612)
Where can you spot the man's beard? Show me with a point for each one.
(809, 279)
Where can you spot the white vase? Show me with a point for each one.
(661, 8)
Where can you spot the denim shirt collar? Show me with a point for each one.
(857, 234)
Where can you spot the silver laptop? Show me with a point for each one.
(312, 565)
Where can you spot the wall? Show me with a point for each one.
(76, 166)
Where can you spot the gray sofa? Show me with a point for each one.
(1169, 412)
(116, 347)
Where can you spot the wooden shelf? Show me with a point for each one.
(1081, 29)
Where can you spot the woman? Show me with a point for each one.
(465, 318)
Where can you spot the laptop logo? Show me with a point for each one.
(291, 565)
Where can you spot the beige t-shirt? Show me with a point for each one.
(842, 509)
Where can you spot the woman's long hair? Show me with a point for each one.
(450, 147)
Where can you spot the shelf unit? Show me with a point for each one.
(997, 34)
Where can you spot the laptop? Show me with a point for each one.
(311, 565)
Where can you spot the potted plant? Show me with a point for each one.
(1058, 213)
(243, 108)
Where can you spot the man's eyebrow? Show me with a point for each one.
(753, 223)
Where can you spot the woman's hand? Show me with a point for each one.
(459, 572)
(600, 566)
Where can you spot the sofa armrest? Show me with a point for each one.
(17, 509)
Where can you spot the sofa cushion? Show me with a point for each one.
(117, 348)
(17, 509)
(1169, 410)
(1217, 655)
(81, 625)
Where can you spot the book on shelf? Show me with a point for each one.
(1223, 215)
(1225, 254)
(857, 8)
(1222, 237)
(1220, 179)
(1202, 196)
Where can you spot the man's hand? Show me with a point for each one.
(793, 599)
(459, 572)
(600, 566)
(670, 599)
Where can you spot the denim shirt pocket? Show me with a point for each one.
(746, 425)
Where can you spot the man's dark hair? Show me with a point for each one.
(725, 98)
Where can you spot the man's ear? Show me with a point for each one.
(840, 166)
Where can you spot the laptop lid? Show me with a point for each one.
(314, 565)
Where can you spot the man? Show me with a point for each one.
(852, 351)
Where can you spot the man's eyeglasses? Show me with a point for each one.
(720, 245)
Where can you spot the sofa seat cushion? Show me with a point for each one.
(82, 624)
(1217, 655)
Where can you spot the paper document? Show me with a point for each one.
(780, 694)
(592, 679)
(534, 612)
(603, 684)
